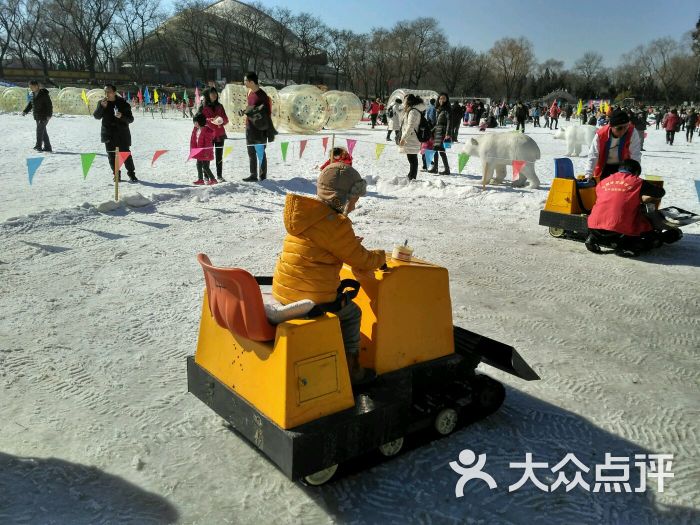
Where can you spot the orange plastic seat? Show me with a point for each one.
(235, 301)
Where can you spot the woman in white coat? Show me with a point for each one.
(394, 113)
(409, 143)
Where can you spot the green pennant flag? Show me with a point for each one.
(463, 158)
(86, 160)
(284, 146)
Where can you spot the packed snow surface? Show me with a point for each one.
(98, 312)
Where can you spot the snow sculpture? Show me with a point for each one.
(498, 150)
(303, 109)
(344, 109)
(13, 99)
(425, 94)
(576, 137)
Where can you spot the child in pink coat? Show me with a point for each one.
(203, 139)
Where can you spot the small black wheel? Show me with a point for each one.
(489, 395)
(446, 421)
(321, 477)
(391, 448)
(557, 233)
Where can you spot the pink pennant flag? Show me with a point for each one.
(302, 147)
(351, 145)
(159, 153)
(517, 166)
(193, 152)
(123, 155)
(324, 140)
(196, 95)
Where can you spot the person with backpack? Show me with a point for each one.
(411, 121)
(441, 132)
(671, 122)
(258, 125)
(394, 114)
(41, 107)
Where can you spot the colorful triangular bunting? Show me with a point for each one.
(33, 164)
(283, 147)
(159, 153)
(86, 159)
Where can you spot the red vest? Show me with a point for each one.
(603, 135)
(617, 206)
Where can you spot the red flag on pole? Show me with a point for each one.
(158, 154)
(140, 96)
(517, 166)
(123, 155)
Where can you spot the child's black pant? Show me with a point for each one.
(203, 169)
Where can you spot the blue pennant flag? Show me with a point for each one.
(429, 156)
(146, 96)
(260, 151)
(33, 164)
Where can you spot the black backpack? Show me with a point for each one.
(424, 132)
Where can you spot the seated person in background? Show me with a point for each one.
(340, 154)
(617, 219)
(320, 238)
(613, 143)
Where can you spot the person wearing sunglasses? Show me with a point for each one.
(613, 143)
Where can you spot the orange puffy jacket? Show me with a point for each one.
(319, 241)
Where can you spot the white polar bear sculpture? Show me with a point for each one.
(498, 150)
(576, 137)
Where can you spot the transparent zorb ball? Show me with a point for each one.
(303, 109)
(344, 109)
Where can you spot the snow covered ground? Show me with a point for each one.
(99, 311)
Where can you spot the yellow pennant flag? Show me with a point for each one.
(155, 96)
(227, 151)
(378, 150)
(84, 97)
(174, 97)
(580, 107)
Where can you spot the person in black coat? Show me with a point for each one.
(41, 107)
(115, 113)
(442, 132)
(520, 116)
(457, 116)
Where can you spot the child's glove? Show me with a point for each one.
(218, 121)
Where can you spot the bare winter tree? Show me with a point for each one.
(87, 21)
(587, 69)
(9, 11)
(135, 22)
(513, 59)
(452, 66)
(280, 56)
(665, 62)
(311, 36)
(191, 27)
(424, 44)
(339, 42)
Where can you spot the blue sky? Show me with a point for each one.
(561, 29)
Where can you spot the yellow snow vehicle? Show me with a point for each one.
(286, 387)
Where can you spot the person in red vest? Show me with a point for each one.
(613, 143)
(617, 219)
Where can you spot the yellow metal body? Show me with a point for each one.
(406, 314)
(562, 196)
(300, 376)
(303, 374)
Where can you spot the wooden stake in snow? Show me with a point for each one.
(116, 175)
